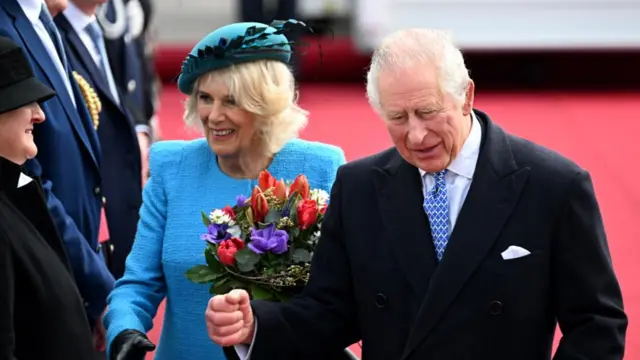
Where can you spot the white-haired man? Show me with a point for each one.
(461, 242)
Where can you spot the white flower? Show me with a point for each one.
(319, 195)
(219, 217)
(235, 230)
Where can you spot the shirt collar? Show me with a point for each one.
(78, 19)
(465, 163)
(31, 9)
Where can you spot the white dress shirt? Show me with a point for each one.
(31, 9)
(460, 173)
(458, 180)
(79, 21)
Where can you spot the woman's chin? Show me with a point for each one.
(31, 151)
(222, 150)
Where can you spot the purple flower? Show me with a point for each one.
(216, 233)
(268, 239)
(241, 200)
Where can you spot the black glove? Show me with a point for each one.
(131, 345)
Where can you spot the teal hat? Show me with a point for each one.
(235, 44)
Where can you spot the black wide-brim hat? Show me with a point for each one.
(18, 86)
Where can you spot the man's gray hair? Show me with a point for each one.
(420, 46)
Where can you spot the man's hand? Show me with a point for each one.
(144, 142)
(99, 335)
(230, 319)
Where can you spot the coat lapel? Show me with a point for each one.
(494, 192)
(29, 201)
(43, 60)
(405, 223)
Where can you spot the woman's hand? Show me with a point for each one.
(131, 345)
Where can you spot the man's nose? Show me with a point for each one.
(417, 131)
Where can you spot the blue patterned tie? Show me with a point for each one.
(436, 205)
(95, 33)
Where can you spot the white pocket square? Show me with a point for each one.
(514, 252)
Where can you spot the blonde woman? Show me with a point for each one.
(241, 93)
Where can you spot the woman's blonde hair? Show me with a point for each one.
(265, 88)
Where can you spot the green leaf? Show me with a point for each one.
(260, 293)
(273, 216)
(220, 286)
(205, 219)
(249, 215)
(200, 274)
(212, 261)
(246, 259)
(293, 208)
(294, 233)
(301, 255)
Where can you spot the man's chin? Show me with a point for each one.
(431, 165)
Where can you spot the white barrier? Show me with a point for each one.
(506, 24)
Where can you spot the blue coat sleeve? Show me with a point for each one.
(92, 276)
(134, 301)
(321, 165)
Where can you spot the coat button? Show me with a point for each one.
(104, 201)
(381, 300)
(97, 190)
(495, 308)
(131, 85)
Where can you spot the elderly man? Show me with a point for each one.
(485, 241)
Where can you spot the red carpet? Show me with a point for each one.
(598, 131)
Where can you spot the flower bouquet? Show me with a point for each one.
(263, 243)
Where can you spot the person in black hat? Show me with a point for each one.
(42, 315)
(69, 156)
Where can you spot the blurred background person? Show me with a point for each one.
(69, 156)
(38, 290)
(129, 42)
(255, 11)
(121, 162)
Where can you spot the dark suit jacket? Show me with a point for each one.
(375, 275)
(120, 165)
(41, 312)
(132, 66)
(68, 162)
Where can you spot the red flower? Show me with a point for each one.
(229, 211)
(307, 212)
(280, 190)
(322, 209)
(237, 242)
(259, 205)
(226, 252)
(301, 186)
(265, 180)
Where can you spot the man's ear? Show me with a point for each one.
(467, 107)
